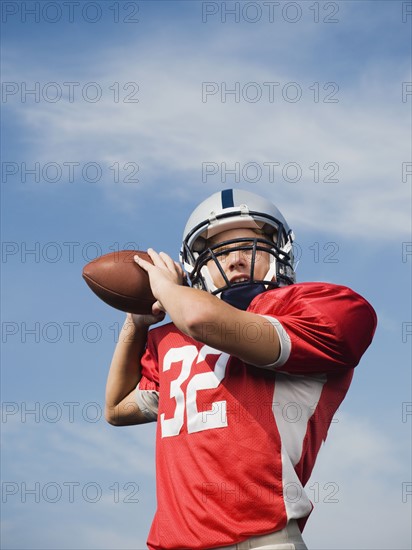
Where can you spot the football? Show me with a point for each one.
(117, 280)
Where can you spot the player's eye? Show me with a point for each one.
(222, 250)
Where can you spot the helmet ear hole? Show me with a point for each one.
(199, 245)
(270, 232)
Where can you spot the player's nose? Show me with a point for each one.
(235, 259)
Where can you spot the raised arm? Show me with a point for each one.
(125, 371)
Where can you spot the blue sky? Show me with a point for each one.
(120, 157)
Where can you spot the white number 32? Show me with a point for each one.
(196, 421)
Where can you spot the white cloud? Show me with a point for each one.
(79, 446)
(171, 132)
(104, 448)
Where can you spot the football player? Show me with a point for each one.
(244, 381)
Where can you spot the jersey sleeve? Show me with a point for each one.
(322, 327)
(147, 390)
(150, 364)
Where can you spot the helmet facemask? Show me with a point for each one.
(280, 271)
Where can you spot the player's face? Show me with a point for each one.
(236, 263)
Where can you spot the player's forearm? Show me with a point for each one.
(211, 321)
(188, 307)
(125, 370)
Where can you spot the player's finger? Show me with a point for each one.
(180, 272)
(155, 317)
(144, 264)
(168, 261)
(155, 257)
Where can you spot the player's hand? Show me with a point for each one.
(164, 272)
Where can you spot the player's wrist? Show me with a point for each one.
(135, 323)
(164, 291)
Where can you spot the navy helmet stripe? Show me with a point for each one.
(227, 198)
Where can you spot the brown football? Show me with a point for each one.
(117, 280)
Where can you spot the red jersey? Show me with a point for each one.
(237, 443)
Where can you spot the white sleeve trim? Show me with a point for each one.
(148, 402)
(284, 342)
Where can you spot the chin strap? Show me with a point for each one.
(241, 295)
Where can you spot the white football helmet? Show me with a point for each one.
(237, 209)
